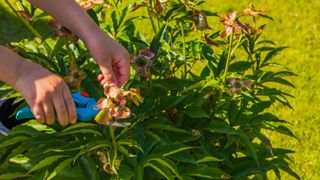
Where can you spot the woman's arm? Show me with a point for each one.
(10, 66)
(112, 58)
(71, 15)
(46, 93)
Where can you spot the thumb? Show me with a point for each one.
(108, 74)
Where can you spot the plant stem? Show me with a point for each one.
(184, 49)
(114, 144)
(151, 19)
(230, 53)
(228, 57)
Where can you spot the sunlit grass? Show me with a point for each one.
(295, 26)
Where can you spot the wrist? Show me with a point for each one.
(10, 66)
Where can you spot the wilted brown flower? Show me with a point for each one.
(75, 76)
(105, 161)
(209, 41)
(233, 24)
(160, 6)
(251, 11)
(142, 62)
(113, 106)
(199, 20)
(196, 133)
(237, 84)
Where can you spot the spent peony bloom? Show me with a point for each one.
(233, 24)
(75, 76)
(237, 84)
(160, 6)
(199, 20)
(113, 107)
(251, 11)
(142, 63)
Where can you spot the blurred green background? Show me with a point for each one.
(295, 25)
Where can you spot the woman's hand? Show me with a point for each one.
(47, 94)
(112, 58)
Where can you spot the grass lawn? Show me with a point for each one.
(295, 25)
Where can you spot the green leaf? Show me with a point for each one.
(165, 162)
(273, 53)
(46, 162)
(80, 131)
(196, 112)
(169, 149)
(93, 16)
(207, 172)
(221, 127)
(166, 128)
(125, 151)
(88, 168)
(280, 81)
(130, 143)
(16, 175)
(93, 145)
(283, 130)
(79, 125)
(183, 157)
(249, 146)
(160, 169)
(10, 140)
(156, 41)
(59, 168)
(168, 103)
(240, 66)
(208, 159)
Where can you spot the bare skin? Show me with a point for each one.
(47, 94)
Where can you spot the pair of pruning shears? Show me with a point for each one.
(85, 107)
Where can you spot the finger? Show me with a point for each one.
(100, 77)
(70, 105)
(108, 73)
(103, 82)
(38, 113)
(60, 108)
(48, 110)
(122, 71)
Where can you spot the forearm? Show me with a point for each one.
(10, 66)
(71, 15)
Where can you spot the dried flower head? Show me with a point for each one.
(113, 107)
(237, 84)
(233, 24)
(199, 20)
(160, 6)
(142, 63)
(251, 11)
(75, 76)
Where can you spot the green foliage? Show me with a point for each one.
(205, 108)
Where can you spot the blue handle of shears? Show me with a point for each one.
(85, 108)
